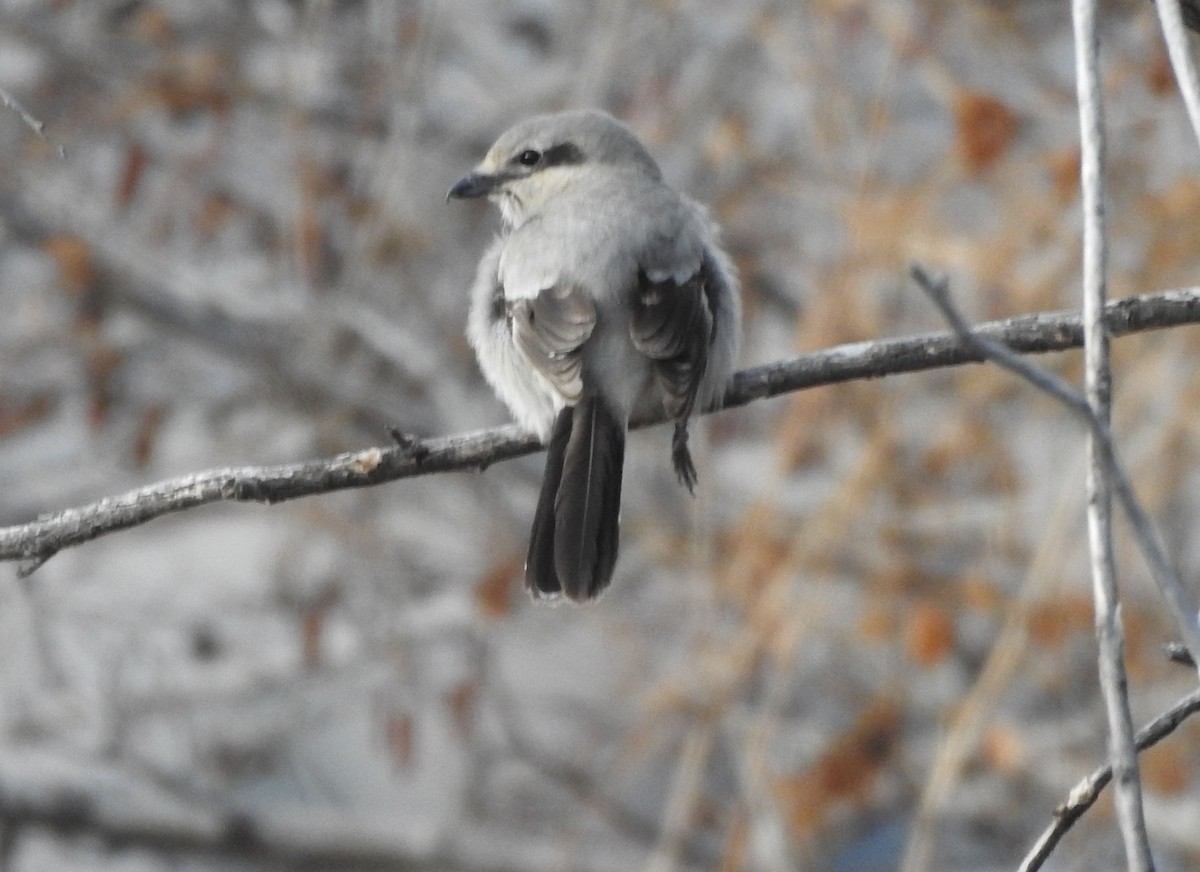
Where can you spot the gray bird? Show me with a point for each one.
(606, 295)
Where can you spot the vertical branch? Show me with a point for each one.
(1110, 640)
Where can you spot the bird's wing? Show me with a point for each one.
(672, 324)
(550, 329)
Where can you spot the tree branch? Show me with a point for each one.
(1110, 635)
(1087, 791)
(1176, 596)
(1031, 334)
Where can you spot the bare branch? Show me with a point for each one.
(1110, 637)
(1177, 597)
(1037, 333)
(1033, 334)
(1087, 791)
(262, 484)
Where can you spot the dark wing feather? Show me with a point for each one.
(672, 324)
(540, 575)
(550, 330)
(588, 507)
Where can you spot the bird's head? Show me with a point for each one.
(543, 157)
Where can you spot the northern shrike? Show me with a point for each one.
(605, 294)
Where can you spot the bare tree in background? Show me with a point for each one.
(867, 642)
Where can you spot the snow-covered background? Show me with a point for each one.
(878, 601)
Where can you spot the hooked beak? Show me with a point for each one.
(473, 185)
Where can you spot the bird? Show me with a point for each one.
(605, 295)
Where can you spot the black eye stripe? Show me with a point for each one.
(564, 153)
(557, 155)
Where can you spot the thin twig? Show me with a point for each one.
(31, 122)
(1087, 791)
(1176, 595)
(1033, 334)
(1110, 637)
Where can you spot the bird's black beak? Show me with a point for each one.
(473, 185)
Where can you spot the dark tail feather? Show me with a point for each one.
(540, 575)
(573, 544)
(588, 505)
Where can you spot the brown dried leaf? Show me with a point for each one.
(131, 174)
(149, 423)
(1063, 166)
(73, 257)
(845, 773)
(494, 591)
(1049, 622)
(17, 415)
(986, 128)
(929, 634)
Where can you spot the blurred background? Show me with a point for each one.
(870, 633)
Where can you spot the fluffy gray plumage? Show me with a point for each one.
(605, 293)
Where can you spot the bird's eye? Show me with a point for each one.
(529, 157)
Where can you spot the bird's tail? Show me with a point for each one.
(573, 546)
